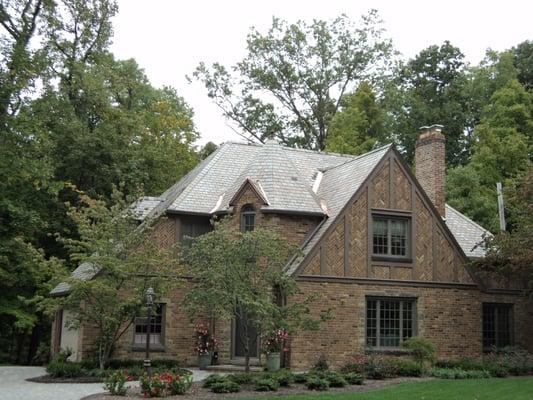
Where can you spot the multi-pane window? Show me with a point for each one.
(156, 327)
(497, 321)
(247, 218)
(390, 236)
(389, 321)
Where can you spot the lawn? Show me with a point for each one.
(474, 389)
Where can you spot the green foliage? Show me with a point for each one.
(335, 379)
(115, 383)
(457, 373)
(267, 385)
(245, 288)
(241, 379)
(225, 386)
(314, 382)
(353, 378)
(321, 364)
(300, 67)
(124, 257)
(64, 369)
(300, 378)
(408, 367)
(213, 379)
(359, 124)
(165, 384)
(422, 350)
(428, 89)
(284, 377)
(467, 364)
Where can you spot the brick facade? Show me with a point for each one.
(343, 271)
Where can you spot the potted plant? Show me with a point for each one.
(205, 345)
(274, 345)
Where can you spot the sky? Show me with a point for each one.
(169, 38)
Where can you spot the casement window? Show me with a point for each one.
(389, 321)
(391, 236)
(247, 218)
(497, 325)
(190, 228)
(157, 328)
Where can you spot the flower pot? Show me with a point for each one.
(204, 360)
(272, 362)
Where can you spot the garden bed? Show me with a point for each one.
(201, 393)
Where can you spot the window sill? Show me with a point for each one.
(156, 348)
(393, 351)
(398, 260)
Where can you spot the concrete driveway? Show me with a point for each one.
(13, 385)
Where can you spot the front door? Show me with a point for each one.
(241, 327)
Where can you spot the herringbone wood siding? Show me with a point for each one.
(380, 183)
(359, 237)
(402, 189)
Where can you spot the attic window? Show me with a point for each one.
(247, 218)
(391, 237)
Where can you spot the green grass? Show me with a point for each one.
(474, 389)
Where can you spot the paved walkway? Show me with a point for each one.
(13, 385)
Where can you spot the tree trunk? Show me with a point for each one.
(246, 353)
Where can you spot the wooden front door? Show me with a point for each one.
(240, 327)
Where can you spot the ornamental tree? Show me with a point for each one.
(241, 275)
(125, 259)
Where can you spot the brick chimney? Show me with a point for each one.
(430, 164)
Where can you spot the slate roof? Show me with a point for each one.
(85, 271)
(468, 234)
(285, 178)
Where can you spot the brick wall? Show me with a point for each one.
(451, 318)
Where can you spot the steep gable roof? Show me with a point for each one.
(468, 234)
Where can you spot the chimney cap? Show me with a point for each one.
(431, 128)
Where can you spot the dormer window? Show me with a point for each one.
(247, 218)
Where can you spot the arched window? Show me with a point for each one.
(247, 218)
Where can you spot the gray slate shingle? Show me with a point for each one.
(286, 176)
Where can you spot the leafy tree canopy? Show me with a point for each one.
(291, 82)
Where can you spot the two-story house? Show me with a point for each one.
(378, 243)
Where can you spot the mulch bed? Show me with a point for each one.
(199, 393)
(50, 379)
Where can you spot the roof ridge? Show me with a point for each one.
(360, 156)
(467, 219)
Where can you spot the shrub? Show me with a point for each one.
(225, 387)
(408, 368)
(284, 377)
(467, 364)
(335, 379)
(321, 364)
(457, 373)
(516, 360)
(267, 385)
(379, 368)
(161, 385)
(316, 383)
(356, 364)
(179, 384)
(241, 379)
(353, 378)
(422, 350)
(64, 369)
(116, 383)
(300, 378)
(213, 379)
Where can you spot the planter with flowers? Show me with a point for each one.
(274, 345)
(206, 344)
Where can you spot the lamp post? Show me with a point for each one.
(150, 295)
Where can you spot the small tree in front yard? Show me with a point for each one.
(239, 275)
(126, 260)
